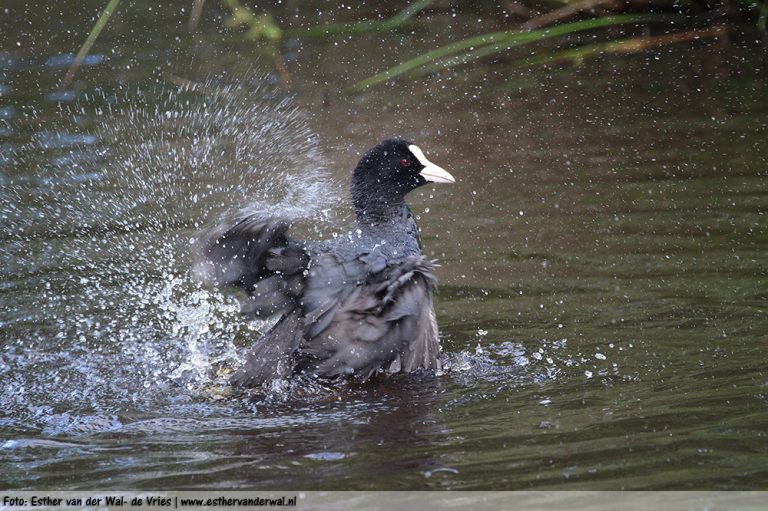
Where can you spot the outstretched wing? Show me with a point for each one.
(367, 314)
(255, 255)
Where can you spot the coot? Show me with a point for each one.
(355, 306)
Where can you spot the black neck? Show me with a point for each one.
(380, 213)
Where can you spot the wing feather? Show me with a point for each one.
(254, 255)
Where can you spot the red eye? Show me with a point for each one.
(405, 162)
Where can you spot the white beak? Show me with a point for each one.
(431, 172)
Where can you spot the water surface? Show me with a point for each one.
(602, 303)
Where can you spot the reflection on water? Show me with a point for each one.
(602, 299)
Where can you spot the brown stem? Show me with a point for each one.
(570, 11)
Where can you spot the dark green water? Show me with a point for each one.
(603, 283)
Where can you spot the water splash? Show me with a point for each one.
(145, 158)
(98, 211)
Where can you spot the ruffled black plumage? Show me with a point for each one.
(355, 306)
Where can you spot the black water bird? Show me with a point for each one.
(355, 306)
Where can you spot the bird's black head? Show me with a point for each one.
(386, 173)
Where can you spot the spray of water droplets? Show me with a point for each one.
(98, 210)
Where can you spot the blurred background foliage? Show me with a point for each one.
(617, 27)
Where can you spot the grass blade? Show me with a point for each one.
(362, 26)
(496, 42)
(86, 47)
(625, 46)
